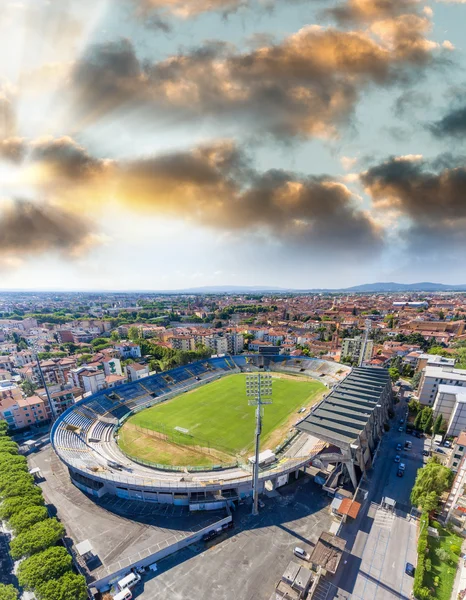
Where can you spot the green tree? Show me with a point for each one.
(133, 334)
(416, 379)
(10, 462)
(418, 420)
(431, 481)
(115, 336)
(40, 568)
(28, 388)
(414, 405)
(427, 427)
(7, 445)
(27, 518)
(3, 427)
(67, 587)
(11, 506)
(426, 415)
(394, 373)
(8, 477)
(437, 425)
(8, 592)
(38, 537)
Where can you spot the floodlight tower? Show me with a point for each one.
(259, 390)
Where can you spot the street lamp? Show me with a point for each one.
(259, 390)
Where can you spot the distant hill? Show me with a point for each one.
(424, 286)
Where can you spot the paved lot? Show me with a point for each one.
(120, 531)
(382, 542)
(250, 561)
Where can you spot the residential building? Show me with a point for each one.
(353, 348)
(20, 412)
(235, 342)
(183, 342)
(62, 397)
(136, 371)
(112, 381)
(434, 360)
(218, 344)
(112, 366)
(128, 349)
(450, 402)
(432, 377)
(454, 509)
(90, 379)
(458, 452)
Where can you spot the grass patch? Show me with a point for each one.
(218, 417)
(444, 570)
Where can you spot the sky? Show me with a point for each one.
(169, 144)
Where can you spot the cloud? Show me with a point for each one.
(12, 149)
(27, 228)
(367, 11)
(453, 124)
(212, 185)
(305, 86)
(7, 117)
(429, 194)
(189, 8)
(409, 101)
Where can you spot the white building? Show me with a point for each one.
(112, 366)
(433, 377)
(450, 402)
(235, 342)
(353, 348)
(136, 371)
(128, 350)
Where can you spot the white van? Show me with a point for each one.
(124, 595)
(129, 581)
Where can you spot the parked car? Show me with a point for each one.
(419, 434)
(409, 569)
(408, 445)
(398, 446)
(400, 429)
(447, 444)
(400, 473)
(402, 467)
(300, 553)
(426, 452)
(397, 458)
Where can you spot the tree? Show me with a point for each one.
(8, 592)
(115, 336)
(426, 415)
(11, 506)
(28, 517)
(437, 425)
(431, 481)
(133, 334)
(18, 489)
(68, 587)
(7, 445)
(40, 568)
(414, 405)
(427, 427)
(12, 462)
(442, 554)
(418, 420)
(38, 537)
(9, 477)
(416, 379)
(3, 427)
(394, 373)
(28, 388)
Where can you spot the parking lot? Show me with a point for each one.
(246, 562)
(383, 542)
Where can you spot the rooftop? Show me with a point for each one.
(328, 551)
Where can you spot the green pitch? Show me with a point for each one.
(217, 415)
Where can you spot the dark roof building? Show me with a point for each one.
(351, 417)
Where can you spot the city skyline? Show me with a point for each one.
(167, 144)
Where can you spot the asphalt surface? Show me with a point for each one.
(382, 542)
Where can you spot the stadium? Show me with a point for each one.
(184, 436)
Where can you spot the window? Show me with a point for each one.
(457, 455)
(460, 448)
(455, 464)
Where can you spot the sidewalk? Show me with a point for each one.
(460, 579)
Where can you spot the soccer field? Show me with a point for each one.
(217, 416)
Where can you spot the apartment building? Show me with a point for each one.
(128, 350)
(458, 452)
(434, 360)
(450, 402)
(433, 377)
(353, 347)
(90, 379)
(20, 412)
(235, 342)
(136, 371)
(183, 342)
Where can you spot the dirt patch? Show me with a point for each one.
(279, 434)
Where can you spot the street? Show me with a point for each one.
(382, 542)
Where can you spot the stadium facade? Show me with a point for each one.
(84, 436)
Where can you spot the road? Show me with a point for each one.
(382, 542)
